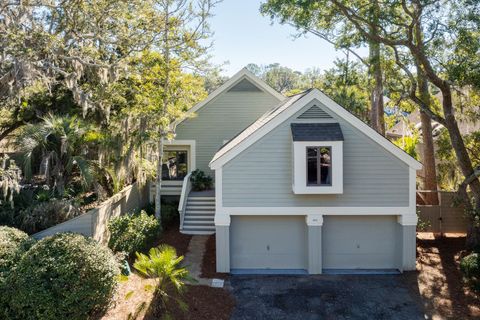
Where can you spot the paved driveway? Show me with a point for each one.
(324, 297)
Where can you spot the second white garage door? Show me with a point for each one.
(359, 242)
(266, 242)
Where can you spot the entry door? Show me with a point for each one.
(266, 242)
(359, 242)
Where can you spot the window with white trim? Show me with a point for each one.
(319, 166)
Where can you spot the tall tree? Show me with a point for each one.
(184, 27)
(397, 26)
(322, 20)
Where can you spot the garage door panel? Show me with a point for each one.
(359, 242)
(268, 242)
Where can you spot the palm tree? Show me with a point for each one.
(56, 145)
(163, 265)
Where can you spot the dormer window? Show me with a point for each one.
(318, 158)
(319, 166)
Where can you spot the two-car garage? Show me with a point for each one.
(282, 243)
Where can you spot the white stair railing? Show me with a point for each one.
(182, 204)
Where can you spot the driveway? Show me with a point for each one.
(324, 297)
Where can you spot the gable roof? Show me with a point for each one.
(286, 109)
(238, 78)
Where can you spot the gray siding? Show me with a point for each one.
(261, 176)
(222, 119)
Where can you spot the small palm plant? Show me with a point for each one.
(163, 265)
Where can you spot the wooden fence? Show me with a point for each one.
(446, 217)
(94, 222)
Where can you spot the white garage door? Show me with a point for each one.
(265, 242)
(359, 242)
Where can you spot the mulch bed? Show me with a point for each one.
(209, 261)
(438, 279)
(204, 303)
(172, 236)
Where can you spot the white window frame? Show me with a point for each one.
(300, 168)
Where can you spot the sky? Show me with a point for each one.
(243, 36)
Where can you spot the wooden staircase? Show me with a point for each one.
(199, 215)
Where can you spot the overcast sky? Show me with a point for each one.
(243, 35)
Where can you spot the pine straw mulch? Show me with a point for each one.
(209, 268)
(438, 279)
(204, 303)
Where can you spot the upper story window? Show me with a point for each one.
(319, 166)
(175, 165)
(317, 158)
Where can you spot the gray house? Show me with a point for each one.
(301, 185)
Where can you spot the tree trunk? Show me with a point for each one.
(158, 182)
(428, 150)
(376, 98)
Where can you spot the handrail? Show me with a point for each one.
(182, 204)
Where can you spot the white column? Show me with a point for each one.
(222, 239)
(407, 241)
(314, 225)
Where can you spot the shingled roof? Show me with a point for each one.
(316, 132)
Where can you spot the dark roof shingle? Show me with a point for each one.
(316, 132)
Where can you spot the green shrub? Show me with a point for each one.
(470, 266)
(13, 243)
(200, 181)
(132, 233)
(170, 214)
(66, 276)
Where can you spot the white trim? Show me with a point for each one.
(333, 107)
(314, 220)
(218, 191)
(192, 163)
(412, 190)
(300, 168)
(280, 211)
(242, 74)
(407, 220)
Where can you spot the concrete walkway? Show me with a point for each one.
(194, 259)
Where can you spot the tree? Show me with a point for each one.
(280, 78)
(58, 145)
(322, 20)
(436, 19)
(70, 42)
(183, 29)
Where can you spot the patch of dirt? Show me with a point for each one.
(204, 303)
(438, 279)
(209, 266)
(172, 236)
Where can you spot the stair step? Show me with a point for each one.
(202, 224)
(202, 198)
(198, 232)
(201, 208)
(201, 203)
(187, 217)
(189, 211)
(198, 223)
(200, 213)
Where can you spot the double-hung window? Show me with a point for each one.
(319, 166)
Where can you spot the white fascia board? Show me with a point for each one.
(301, 211)
(335, 108)
(244, 73)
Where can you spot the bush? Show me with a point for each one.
(200, 181)
(132, 233)
(66, 276)
(43, 215)
(470, 266)
(13, 243)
